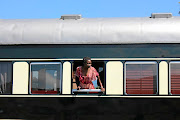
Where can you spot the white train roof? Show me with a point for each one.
(90, 31)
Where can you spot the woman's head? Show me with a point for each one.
(87, 62)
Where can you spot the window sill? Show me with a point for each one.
(86, 91)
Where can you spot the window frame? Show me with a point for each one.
(86, 91)
(42, 63)
(142, 62)
(176, 62)
(9, 62)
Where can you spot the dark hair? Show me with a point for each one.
(85, 59)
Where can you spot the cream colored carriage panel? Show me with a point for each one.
(20, 77)
(163, 78)
(114, 78)
(66, 83)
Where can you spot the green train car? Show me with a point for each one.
(138, 60)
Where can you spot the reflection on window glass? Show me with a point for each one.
(35, 79)
(141, 78)
(51, 77)
(45, 78)
(175, 77)
(5, 78)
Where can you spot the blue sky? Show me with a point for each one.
(24, 9)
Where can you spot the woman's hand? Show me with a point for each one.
(78, 88)
(103, 89)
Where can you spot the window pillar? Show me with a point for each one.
(114, 78)
(163, 78)
(66, 83)
(20, 77)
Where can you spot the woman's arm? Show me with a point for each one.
(78, 83)
(102, 89)
(77, 78)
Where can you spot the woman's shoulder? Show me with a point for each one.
(93, 68)
(94, 71)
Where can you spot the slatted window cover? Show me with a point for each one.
(141, 78)
(175, 77)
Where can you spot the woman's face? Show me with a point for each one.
(88, 63)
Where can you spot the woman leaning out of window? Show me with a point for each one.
(86, 74)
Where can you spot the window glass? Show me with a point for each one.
(141, 78)
(100, 68)
(5, 78)
(175, 77)
(45, 78)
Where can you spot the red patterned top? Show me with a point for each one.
(86, 81)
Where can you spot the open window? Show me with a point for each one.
(100, 67)
(141, 78)
(45, 77)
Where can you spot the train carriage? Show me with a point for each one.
(135, 57)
